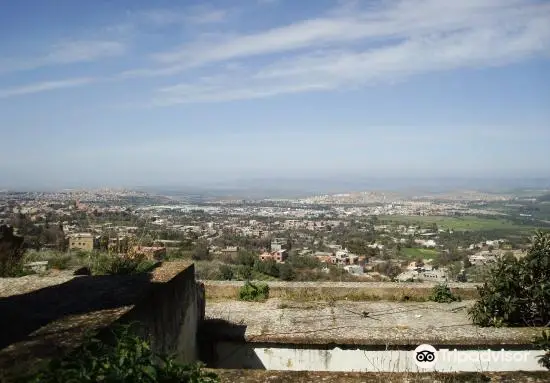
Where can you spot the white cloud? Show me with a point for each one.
(200, 14)
(44, 86)
(82, 51)
(524, 33)
(352, 45)
(397, 20)
(67, 52)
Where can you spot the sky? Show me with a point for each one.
(134, 92)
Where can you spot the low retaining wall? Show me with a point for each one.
(267, 356)
(357, 291)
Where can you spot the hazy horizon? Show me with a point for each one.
(297, 187)
(134, 93)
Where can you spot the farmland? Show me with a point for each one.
(416, 253)
(466, 223)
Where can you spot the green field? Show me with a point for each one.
(467, 223)
(415, 253)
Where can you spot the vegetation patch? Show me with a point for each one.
(465, 223)
(419, 253)
(116, 265)
(517, 292)
(443, 294)
(128, 359)
(254, 292)
(543, 343)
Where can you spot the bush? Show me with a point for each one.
(543, 343)
(11, 253)
(245, 258)
(115, 265)
(269, 267)
(206, 270)
(60, 262)
(56, 260)
(202, 252)
(254, 292)
(443, 294)
(244, 272)
(129, 359)
(304, 261)
(286, 272)
(226, 272)
(516, 292)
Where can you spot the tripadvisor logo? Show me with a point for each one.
(425, 356)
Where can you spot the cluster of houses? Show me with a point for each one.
(278, 251)
(423, 272)
(89, 242)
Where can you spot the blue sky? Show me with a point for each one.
(121, 93)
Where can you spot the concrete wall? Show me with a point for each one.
(234, 355)
(169, 316)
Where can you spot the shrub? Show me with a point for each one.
(244, 272)
(226, 272)
(516, 292)
(269, 267)
(246, 258)
(60, 262)
(543, 343)
(304, 261)
(201, 252)
(11, 253)
(115, 265)
(56, 260)
(129, 359)
(443, 294)
(254, 292)
(286, 272)
(206, 270)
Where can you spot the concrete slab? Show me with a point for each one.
(358, 323)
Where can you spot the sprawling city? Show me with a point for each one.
(366, 236)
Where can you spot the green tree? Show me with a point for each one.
(269, 267)
(246, 258)
(11, 252)
(286, 272)
(516, 292)
(201, 252)
(226, 272)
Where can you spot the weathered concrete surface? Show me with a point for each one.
(259, 376)
(356, 291)
(343, 323)
(41, 324)
(29, 283)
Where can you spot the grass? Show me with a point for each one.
(466, 223)
(416, 253)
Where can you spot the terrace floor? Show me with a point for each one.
(374, 323)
